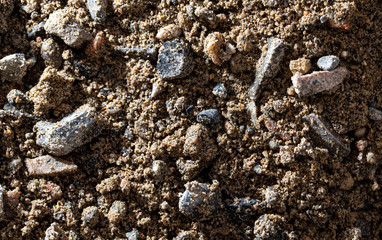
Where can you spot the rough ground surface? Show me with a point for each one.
(274, 181)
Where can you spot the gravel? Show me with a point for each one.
(13, 67)
(220, 91)
(49, 166)
(208, 117)
(328, 63)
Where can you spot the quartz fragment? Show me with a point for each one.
(321, 134)
(71, 132)
(328, 63)
(268, 65)
(317, 82)
(97, 9)
(49, 166)
(174, 60)
(13, 67)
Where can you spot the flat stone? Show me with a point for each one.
(210, 116)
(174, 60)
(49, 166)
(268, 65)
(62, 25)
(97, 10)
(13, 67)
(321, 135)
(148, 52)
(328, 63)
(317, 82)
(71, 132)
(375, 114)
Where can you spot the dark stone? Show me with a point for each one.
(220, 91)
(210, 116)
(242, 209)
(13, 67)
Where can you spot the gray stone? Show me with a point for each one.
(270, 3)
(159, 169)
(15, 97)
(55, 232)
(97, 9)
(51, 53)
(90, 216)
(2, 210)
(199, 200)
(36, 30)
(268, 65)
(71, 132)
(132, 235)
(375, 114)
(63, 26)
(328, 63)
(322, 136)
(148, 52)
(174, 60)
(242, 209)
(117, 211)
(268, 226)
(49, 166)
(220, 91)
(210, 116)
(324, 19)
(13, 67)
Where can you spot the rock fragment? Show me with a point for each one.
(62, 25)
(270, 3)
(214, 48)
(322, 136)
(2, 210)
(49, 166)
(301, 65)
(220, 91)
(375, 114)
(97, 10)
(328, 63)
(13, 67)
(210, 116)
(206, 16)
(73, 131)
(36, 30)
(15, 97)
(198, 143)
(169, 32)
(132, 235)
(268, 65)
(242, 208)
(200, 200)
(148, 52)
(51, 53)
(268, 226)
(174, 60)
(117, 211)
(90, 216)
(55, 232)
(317, 82)
(159, 168)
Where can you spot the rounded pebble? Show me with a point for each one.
(328, 63)
(13, 67)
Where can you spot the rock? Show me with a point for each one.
(63, 26)
(206, 16)
(301, 65)
(347, 182)
(97, 10)
(213, 47)
(371, 158)
(36, 30)
(242, 209)
(328, 63)
(49, 166)
(324, 19)
(199, 201)
(317, 82)
(286, 155)
(117, 212)
(132, 235)
(148, 52)
(51, 53)
(273, 145)
(220, 91)
(71, 132)
(208, 117)
(90, 216)
(322, 136)
(198, 143)
(271, 195)
(160, 169)
(174, 60)
(268, 65)
(188, 168)
(270, 3)
(169, 32)
(375, 114)
(2, 210)
(13, 67)
(15, 97)
(268, 226)
(55, 232)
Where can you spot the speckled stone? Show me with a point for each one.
(328, 63)
(13, 67)
(117, 211)
(49, 166)
(220, 91)
(210, 116)
(90, 216)
(55, 232)
(375, 114)
(268, 226)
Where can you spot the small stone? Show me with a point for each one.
(148, 52)
(2, 210)
(328, 63)
(159, 168)
(361, 145)
(371, 158)
(252, 111)
(258, 169)
(279, 106)
(36, 30)
(273, 145)
(242, 209)
(49, 166)
(317, 82)
(347, 182)
(271, 195)
(324, 19)
(210, 116)
(213, 47)
(207, 16)
(286, 156)
(132, 235)
(174, 60)
(13, 67)
(360, 132)
(71, 132)
(169, 32)
(55, 232)
(189, 168)
(62, 25)
(51, 53)
(15, 97)
(117, 211)
(301, 65)
(90, 216)
(15, 165)
(268, 226)
(97, 9)
(199, 144)
(200, 200)
(322, 136)
(375, 114)
(220, 91)
(268, 65)
(270, 3)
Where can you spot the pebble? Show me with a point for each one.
(375, 114)
(317, 82)
(270, 196)
(117, 211)
(148, 52)
(13, 67)
(324, 19)
(220, 91)
(51, 53)
(323, 137)
(15, 97)
(268, 65)
(270, 3)
(159, 168)
(242, 208)
(199, 144)
(268, 226)
(200, 200)
(286, 156)
(132, 235)
(90, 216)
(62, 25)
(371, 158)
(301, 65)
(360, 132)
(97, 10)
(2, 211)
(206, 16)
(208, 117)
(174, 60)
(73, 131)
(55, 232)
(36, 30)
(328, 63)
(49, 166)
(213, 47)
(361, 145)
(169, 32)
